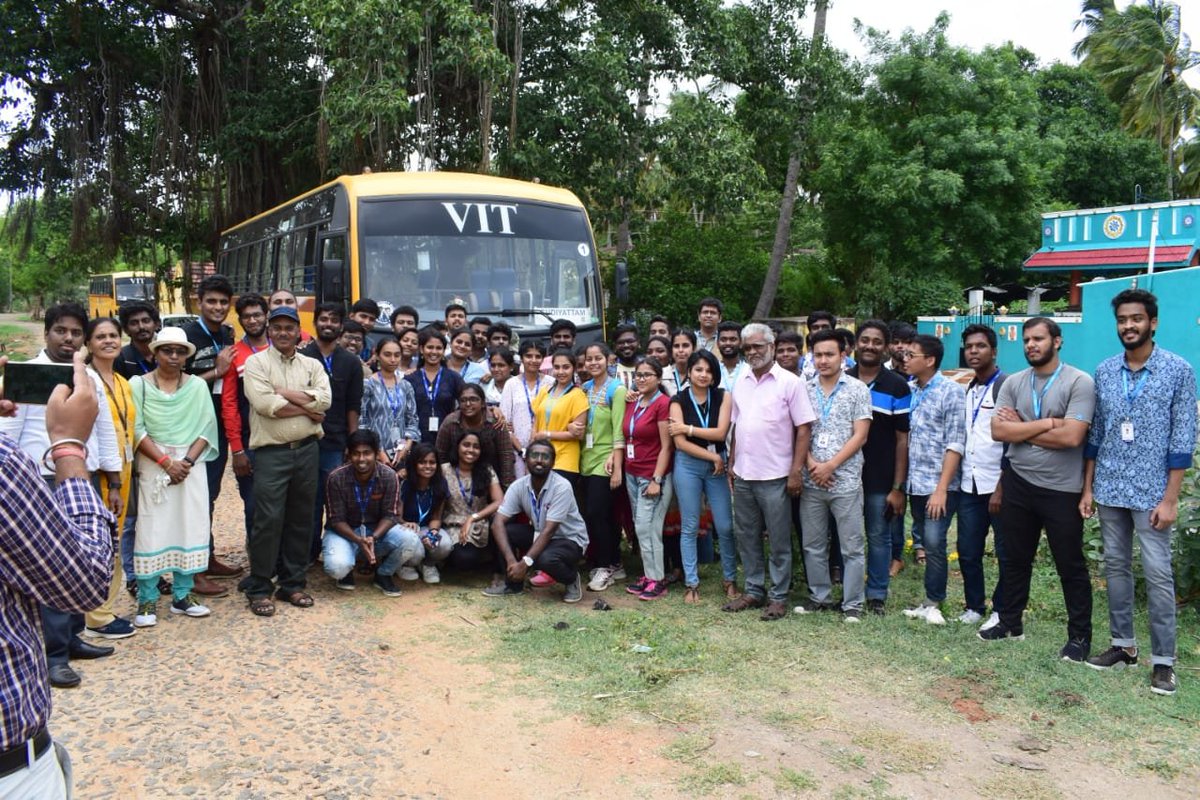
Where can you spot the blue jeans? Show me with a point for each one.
(399, 547)
(329, 460)
(895, 527)
(694, 477)
(973, 521)
(879, 544)
(1118, 526)
(127, 533)
(933, 534)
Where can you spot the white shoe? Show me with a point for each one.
(430, 574)
(917, 613)
(934, 617)
(601, 579)
(992, 622)
(408, 574)
(969, 617)
(146, 620)
(618, 574)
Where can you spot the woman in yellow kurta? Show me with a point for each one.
(560, 415)
(104, 344)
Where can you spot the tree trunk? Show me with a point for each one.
(783, 233)
(819, 14)
(516, 81)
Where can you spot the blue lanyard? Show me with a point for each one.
(919, 394)
(1038, 397)
(537, 387)
(639, 411)
(827, 403)
(550, 401)
(214, 339)
(253, 349)
(422, 513)
(707, 407)
(466, 496)
(982, 395)
(431, 393)
(145, 365)
(388, 394)
(1132, 395)
(535, 504)
(594, 399)
(328, 364)
(679, 381)
(363, 502)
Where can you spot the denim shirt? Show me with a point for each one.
(937, 424)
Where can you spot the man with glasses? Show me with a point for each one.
(936, 440)
(767, 467)
(235, 409)
(708, 316)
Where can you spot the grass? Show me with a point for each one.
(795, 781)
(709, 671)
(707, 779)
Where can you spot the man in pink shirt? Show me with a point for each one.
(772, 419)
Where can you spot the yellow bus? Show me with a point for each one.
(107, 292)
(506, 249)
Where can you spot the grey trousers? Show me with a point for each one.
(815, 507)
(1118, 526)
(758, 505)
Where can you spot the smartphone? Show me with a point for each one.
(23, 382)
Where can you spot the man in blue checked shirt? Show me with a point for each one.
(1141, 442)
(936, 439)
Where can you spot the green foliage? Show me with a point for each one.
(1186, 546)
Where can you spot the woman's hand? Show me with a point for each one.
(576, 428)
(718, 464)
(652, 490)
(677, 428)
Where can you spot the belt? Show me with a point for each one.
(292, 445)
(24, 754)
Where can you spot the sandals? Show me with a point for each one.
(919, 555)
(774, 610)
(298, 599)
(262, 607)
(742, 603)
(896, 568)
(692, 595)
(731, 592)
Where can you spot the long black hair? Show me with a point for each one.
(481, 473)
(408, 488)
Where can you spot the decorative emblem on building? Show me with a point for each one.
(1114, 226)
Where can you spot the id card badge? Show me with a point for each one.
(629, 451)
(433, 424)
(1126, 431)
(128, 452)
(823, 440)
(218, 385)
(395, 434)
(712, 447)
(588, 442)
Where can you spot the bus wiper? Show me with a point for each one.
(516, 312)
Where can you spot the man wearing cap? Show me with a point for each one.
(288, 395)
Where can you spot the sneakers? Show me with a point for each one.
(638, 586)
(602, 578)
(852, 615)
(876, 607)
(618, 572)
(1163, 680)
(574, 591)
(992, 621)
(501, 590)
(541, 580)
(189, 607)
(408, 574)
(1075, 650)
(928, 611)
(969, 617)
(654, 590)
(430, 574)
(812, 607)
(117, 629)
(387, 585)
(1001, 631)
(147, 615)
(346, 582)
(1113, 658)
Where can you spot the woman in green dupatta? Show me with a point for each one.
(175, 427)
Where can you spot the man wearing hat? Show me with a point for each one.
(288, 395)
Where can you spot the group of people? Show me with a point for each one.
(450, 445)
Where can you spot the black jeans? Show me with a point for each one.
(285, 489)
(598, 502)
(1025, 510)
(559, 559)
(216, 471)
(468, 557)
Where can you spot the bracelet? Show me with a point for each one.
(691, 429)
(238, 452)
(191, 462)
(68, 451)
(165, 459)
(68, 441)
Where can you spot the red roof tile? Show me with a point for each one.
(1171, 255)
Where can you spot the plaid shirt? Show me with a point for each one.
(937, 424)
(341, 502)
(55, 550)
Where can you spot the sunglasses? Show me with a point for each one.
(173, 351)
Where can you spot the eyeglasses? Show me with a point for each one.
(644, 376)
(173, 351)
(910, 354)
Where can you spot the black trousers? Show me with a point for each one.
(559, 559)
(605, 536)
(285, 489)
(1025, 511)
(469, 558)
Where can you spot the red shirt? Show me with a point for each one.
(235, 409)
(644, 436)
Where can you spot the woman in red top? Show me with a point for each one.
(647, 473)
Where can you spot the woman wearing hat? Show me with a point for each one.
(175, 427)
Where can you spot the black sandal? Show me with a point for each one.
(262, 607)
(298, 599)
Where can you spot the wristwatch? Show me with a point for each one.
(528, 561)
(658, 479)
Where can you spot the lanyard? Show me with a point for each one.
(635, 415)
(253, 349)
(122, 410)
(1038, 397)
(431, 392)
(463, 490)
(388, 394)
(363, 502)
(1132, 395)
(550, 401)
(919, 394)
(216, 340)
(422, 513)
(594, 399)
(537, 387)
(678, 380)
(827, 403)
(535, 504)
(328, 364)
(707, 407)
(982, 395)
(146, 366)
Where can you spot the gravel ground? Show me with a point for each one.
(359, 696)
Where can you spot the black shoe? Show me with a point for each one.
(82, 650)
(812, 607)
(876, 607)
(387, 585)
(1113, 658)
(346, 582)
(1075, 650)
(1001, 631)
(164, 587)
(835, 575)
(63, 677)
(501, 590)
(131, 587)
(1162, 681)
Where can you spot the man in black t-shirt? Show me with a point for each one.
(214, 353)
(346, 389)
(885, 456)
(141, 322)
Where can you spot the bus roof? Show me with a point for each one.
(384, 184)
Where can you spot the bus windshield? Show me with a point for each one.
(137, 288)
(525, 262)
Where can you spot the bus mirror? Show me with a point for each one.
(333, 282)
(621, 281)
